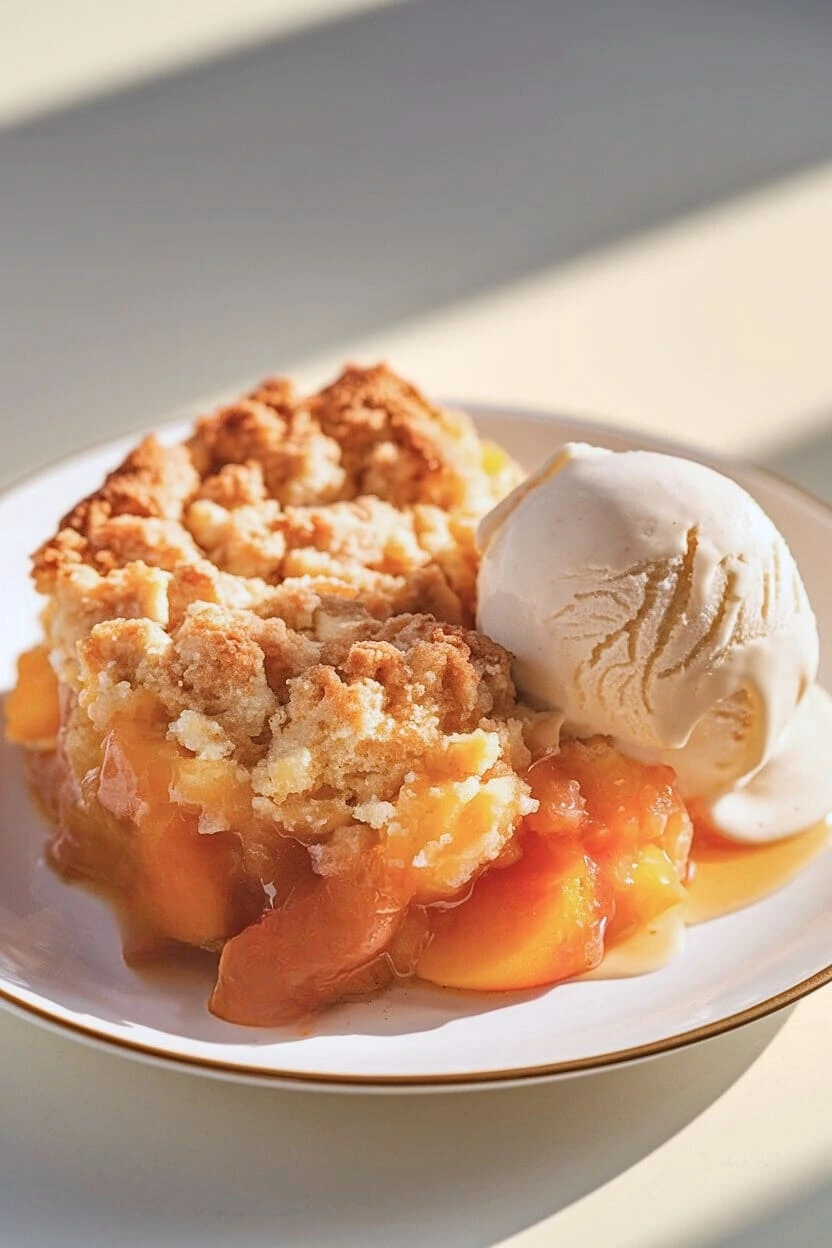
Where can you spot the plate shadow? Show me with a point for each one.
(114, 1152)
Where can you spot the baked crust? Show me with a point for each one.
(285, 599)
(364, 490)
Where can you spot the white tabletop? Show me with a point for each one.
(627, 217)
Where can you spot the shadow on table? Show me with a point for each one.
(109, 1149)
(807, 462)
(161, 243)
(803, 1222)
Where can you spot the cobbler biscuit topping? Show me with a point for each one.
(364, 490)
(350, 723)
(267, 630)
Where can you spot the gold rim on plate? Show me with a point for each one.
(552, 1070)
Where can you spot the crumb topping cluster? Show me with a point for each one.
(364, 490)
(293, 588)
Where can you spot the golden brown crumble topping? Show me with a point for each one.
(289, 592)
(364, 490)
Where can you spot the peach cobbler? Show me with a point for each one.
(263, 722)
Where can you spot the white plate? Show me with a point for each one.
(60, 958)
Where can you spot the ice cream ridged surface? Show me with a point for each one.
(651, 599)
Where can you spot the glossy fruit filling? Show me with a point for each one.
(177, 843)
(605, 853)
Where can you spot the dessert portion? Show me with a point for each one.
(669, 615)
(263, 722)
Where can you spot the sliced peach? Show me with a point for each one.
(540, 920)
(32, 710)
(644, 887)
(613, 802)
(328, 941)
(189, 885)
(606, 848)
(561, 807)
(136, 772)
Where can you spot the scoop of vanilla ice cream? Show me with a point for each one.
(650, 599)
